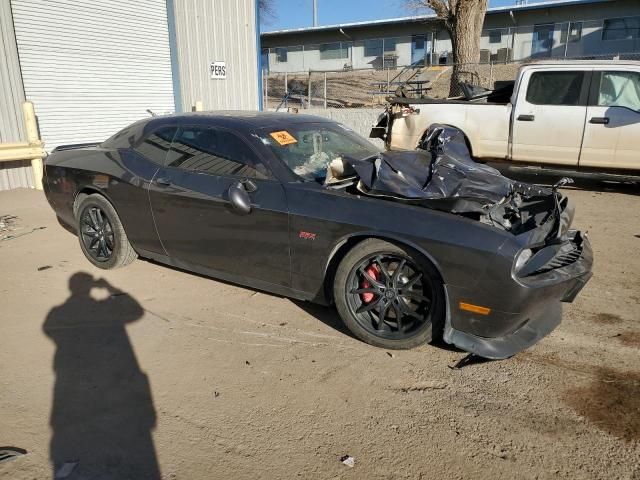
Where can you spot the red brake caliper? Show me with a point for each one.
(374, 272)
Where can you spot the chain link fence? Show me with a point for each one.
(369, 88)
(339, 89)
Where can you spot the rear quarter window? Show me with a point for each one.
(126, 137)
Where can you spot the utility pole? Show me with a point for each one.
(315, 13)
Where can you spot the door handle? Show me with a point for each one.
(165, 182)
(599, 120)
(526, 118)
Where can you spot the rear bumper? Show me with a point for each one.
(522, 312)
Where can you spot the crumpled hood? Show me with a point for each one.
(445, 171)
(441, 175)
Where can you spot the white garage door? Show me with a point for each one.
(92, 68)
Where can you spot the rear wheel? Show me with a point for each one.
(102, 237)
(389, 296)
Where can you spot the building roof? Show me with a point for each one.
(422, 18)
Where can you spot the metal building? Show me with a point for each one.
(538, 30)
(91, 68)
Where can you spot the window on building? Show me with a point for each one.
(214, 151)
(495, 36)
(575, 32)
(281, 54)
(389, 45)
(555, 88)
(621, 28)
(571, 32)
(373, 47)
(333, 51)
(418, 42)
(620, 89)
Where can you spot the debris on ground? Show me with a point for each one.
(469, 359)
(11, 453)
(11, 237)
(348, 460)
(7, 221)
(44, 267)
(391, 355)
(426, 385)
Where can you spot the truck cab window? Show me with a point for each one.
(620, 89)
(555, 88)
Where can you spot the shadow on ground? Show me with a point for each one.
(102, 413)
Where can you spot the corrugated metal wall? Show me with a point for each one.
(11, 91)
(91, 68)
(220, 30)
(12, 174)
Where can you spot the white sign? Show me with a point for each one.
(218, 70)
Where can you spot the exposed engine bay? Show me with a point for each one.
(442, 175)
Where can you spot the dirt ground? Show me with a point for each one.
(149, 369)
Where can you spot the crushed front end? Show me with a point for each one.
(541, 264)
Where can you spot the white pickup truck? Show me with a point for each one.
(575, 115)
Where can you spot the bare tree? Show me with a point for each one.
(267, 11)
(463, 20)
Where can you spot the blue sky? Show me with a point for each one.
(298, 13)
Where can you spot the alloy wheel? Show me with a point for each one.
(97, 234)
(389, 295)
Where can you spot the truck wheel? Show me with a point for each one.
(102, 237)
(389, 295)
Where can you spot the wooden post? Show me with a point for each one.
(309, 91)
(325, 90)
(286, 91)
(490, 74)
(266, 91)
(264, 98)
(31, 127)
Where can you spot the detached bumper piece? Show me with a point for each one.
(538, 297)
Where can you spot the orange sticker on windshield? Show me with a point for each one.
(283, 137)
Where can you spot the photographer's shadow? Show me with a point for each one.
(102, 414)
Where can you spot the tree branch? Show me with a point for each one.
(441, 7)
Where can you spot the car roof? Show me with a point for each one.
(242, 119)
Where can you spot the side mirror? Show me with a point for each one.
(239, 198)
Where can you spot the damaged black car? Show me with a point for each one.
(409, 246)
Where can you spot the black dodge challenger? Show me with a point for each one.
(408, 245)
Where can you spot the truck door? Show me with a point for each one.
(549, 115)
(613, 121)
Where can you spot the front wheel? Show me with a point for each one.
(102, 237)
(389, 296)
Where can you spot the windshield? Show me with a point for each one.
(308, 148)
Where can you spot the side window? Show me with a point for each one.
(156, 145)
(214, 151)
(555, 88)
(620, 89)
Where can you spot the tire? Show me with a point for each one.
(404, 281)
(101, 234)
